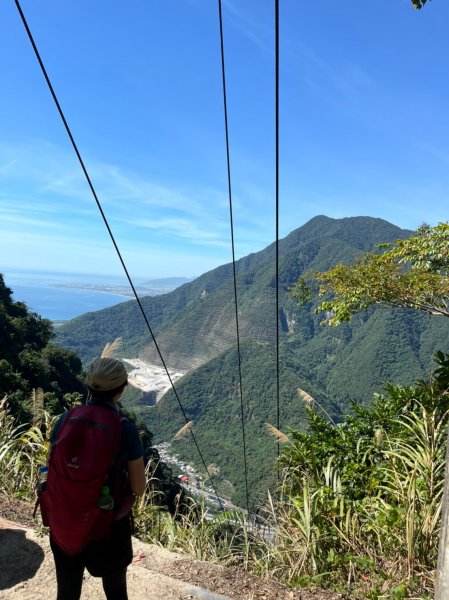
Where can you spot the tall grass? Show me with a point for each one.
(377, 542)
(23, 449)
(193, 528)
(383, 535)
(414, 481)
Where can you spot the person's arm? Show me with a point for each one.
(136, 476)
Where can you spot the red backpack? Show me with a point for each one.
(83, 459)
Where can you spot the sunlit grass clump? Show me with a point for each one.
(23, 449)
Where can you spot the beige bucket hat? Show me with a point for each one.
(106, 374)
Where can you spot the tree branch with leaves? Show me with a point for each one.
(419, 3)
(411, 273)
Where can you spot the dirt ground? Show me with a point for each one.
(27, 570)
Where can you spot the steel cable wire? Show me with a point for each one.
(228, 162)
(111, 235)
(276, 43)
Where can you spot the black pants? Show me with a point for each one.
(69, 576)
(107, 558)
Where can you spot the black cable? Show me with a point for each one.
(276, 26)
(69, 133)
(225, 105)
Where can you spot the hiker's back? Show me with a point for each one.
(83, 460)
(95, 453)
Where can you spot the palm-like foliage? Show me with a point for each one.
(414, 480)
(365, 496)
(23, 449)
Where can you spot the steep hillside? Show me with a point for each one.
(211, 398)
(335, 366)
(196, 322)
(195, 328)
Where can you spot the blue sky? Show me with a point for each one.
(364, 126)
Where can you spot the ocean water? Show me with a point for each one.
(46, 293)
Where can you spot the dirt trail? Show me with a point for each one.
(27, 571)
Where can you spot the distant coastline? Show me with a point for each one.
(62, 303)
(63, 296)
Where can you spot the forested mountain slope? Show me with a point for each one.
(211, 399)
(195, 328)
(196, 322)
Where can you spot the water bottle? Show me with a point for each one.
(42, 481)
(106, 501)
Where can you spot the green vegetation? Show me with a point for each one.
(366, 494)
(23, 449)
(29, 361)
(411, 273)
(359, 506)
(358, 510)
(38, 381)
(211, 399)
(196, 322)
(195, 327)
(359, 501)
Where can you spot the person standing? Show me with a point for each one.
(108, 556)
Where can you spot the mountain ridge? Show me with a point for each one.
(196, 332)
(209, 299)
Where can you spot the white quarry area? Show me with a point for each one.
(150, 378)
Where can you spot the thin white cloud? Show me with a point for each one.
(253, 28)
(18, 205)
(90, 255)
(50, 172)
(117, 186)
(183, 228)
(41, 167)
(10, 217)
(343, 79)
(43, 193)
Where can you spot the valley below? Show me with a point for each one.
(223, 387)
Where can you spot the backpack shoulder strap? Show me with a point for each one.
(57, 428)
